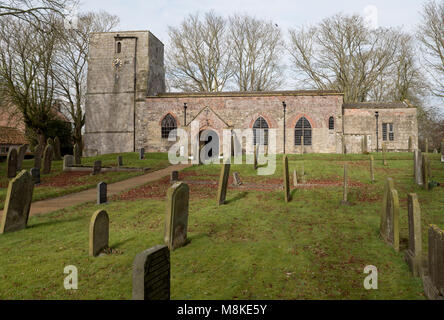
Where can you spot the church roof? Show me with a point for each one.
(249, 94)
(12, 136)
(377, 105)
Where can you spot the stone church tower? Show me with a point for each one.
(124, 68)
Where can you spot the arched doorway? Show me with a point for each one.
(208, 146)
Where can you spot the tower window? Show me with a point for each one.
(260, 125)
(119, 47)
(388, 131)
(302, 129)
(168, 124)
(331, 123)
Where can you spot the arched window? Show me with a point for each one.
(119, 47)
(302, 129)
(168, 125)
(260, 125)
(331, 123)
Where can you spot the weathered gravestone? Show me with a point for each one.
(417, 166)
(303, 173)
(151, 274)
(174, 176)
(410, 144)
(38, 151)
(11, 163)
(442, 150)
(98, 233)
(18, 203)
(68, 161)
(47, 159)
(142, 153)
(433, 282)
(35, 173)
(286, 180)
(389, 227)
(177, 216)
(102, 189)
(119, 161)
(295, 178)
(427, 145)
(50, 142)
(255, 158)
(344, 201)
(236, 179)
(384, 156)
(435, 151)
(223, 183)
(372, 169)
(414, 252)
(97, 168)
(77, 157)
(425, 172)
(57, 152)
(21, 156)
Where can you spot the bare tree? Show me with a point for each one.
(431, 35)
(70, 64)
(342, 53)
(257, 51)
(199, 54)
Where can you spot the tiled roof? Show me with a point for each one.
(248, 94)
(12, 136)
(376, 105)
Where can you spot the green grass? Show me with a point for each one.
(254, 247)
(154, 161)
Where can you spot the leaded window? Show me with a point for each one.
(168, 125)
(388, 132)
(331, 123)
(260, 126)
(302, 129)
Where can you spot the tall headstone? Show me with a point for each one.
(255, 157)
(433, 281)
(98, 233)
(236, 178)
(57, 151)
(442, 150)
(417, 166)
(223, 183)
(295, 178)
(151, 274)
(18, 203)
(77, 157)
(389, 186)
(102, 190)
(344, 201)
(68, 161)
(286, 176)
(413, 255)
(410, 144)
(427, 145)
(11, 163)
(372, 169)
(425, 172)
(47, 159)
(50, 142)
(390, 216)
(119, 161)
(38, 151)
(176, 225)
(97, 168)
(35, 173)
(21, 156)
(142, 153)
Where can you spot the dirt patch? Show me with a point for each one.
(64, 179)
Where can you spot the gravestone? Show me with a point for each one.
(236, 178)
(442, 150)
(364, 144)
(142, 153)
(47, 159)
(286, 180)
(372, 169)
(302, 144)
(151, 274)
(57, 152)
(384, 156)
(35, 173)
(68, 161)
(417, 166)
(18, 203)
(303, 173)
(97, 167)
(174, 176)
(21, 156)
(433, 281)
(77, 157)
(119, 161)
(38, 151)
(255, 158)
(50, 142)
(102, 190)
(344, 201)
(390, 216)
(425, 172)
(11, 163)
(176, 225)
(223, 183)
(295, 178)
(435, 151)
(410, 144)
(98, 233)
(414, 252)
(427, 145)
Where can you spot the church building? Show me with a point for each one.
(127, 108)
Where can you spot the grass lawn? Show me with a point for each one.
(254, 247)
(58, 183)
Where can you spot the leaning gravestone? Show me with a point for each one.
(413, 255)
(47, 159)
(433, 282)
(344, 201)
(390, 216)
(68, 161)
(174, 176)
(223, 184)
(425, 172)
(35, 173)
(142, 154)
(21, 156)
(236, 178)
(97, 167)
(151, 274)
(18, 203)
(57, 152)
(176, 225)
(98, 233)
(11, 163)
(77, 157)
(102, 190)
(119, 161)
(286, 180)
